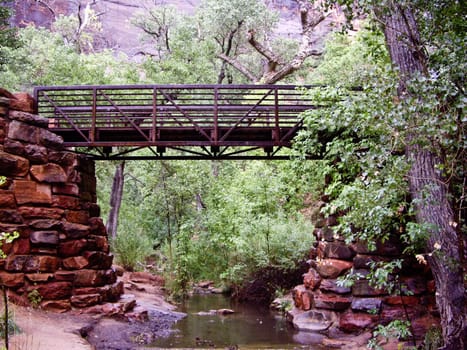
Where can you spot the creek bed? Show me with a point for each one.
(250, 327)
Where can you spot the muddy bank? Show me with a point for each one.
(113, 334)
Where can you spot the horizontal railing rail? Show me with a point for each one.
(174, 115)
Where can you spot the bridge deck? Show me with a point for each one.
(207, 121)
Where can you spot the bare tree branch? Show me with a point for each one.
(238, 66)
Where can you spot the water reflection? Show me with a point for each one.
(250, 327)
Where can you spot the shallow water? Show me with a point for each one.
(250, 327)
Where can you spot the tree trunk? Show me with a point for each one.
(427, 187)
(116, 199)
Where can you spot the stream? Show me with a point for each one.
(250, 327)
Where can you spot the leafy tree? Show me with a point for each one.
(401, 145)
(8, 39)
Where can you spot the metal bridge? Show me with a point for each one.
(175, 121)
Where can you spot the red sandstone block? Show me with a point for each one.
(350, 322)
(65, 202)
(41, 213)
(21, 246)
(409, 300)
(11, 280)
(75, 263)
(71, 248)
(53, 290)
(7, 199)
(332, 268)
(43, 263)
(22, 101)
(82, 301)
(50, 173)
(69, 189)
(312, 279)
(77, 216)
(97, 226)
(56, 305)
(11, 165)
(31, 192)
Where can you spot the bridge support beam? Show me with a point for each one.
(48, 195)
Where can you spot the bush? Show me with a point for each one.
(131, 249)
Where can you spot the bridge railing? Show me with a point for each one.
(215, 112)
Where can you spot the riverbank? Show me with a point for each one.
(116, 326)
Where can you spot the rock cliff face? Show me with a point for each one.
(119, 34)
(62, 254)
(322, 305)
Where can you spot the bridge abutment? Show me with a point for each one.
(61, 258)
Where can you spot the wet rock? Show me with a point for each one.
(98, 260)
(312, 279)
(332, 268)
(314, 321)
(303, 297)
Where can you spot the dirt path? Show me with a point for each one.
(41, 330)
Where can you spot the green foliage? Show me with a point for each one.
(34, 298)
(132, 247)
(12, 326)
(395, 329)
(8, 39)
(6, 238)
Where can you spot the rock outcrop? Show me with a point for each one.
(61, 258)
(322, 300)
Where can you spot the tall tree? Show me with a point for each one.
(425, 47)
(116, 196)
(428, 185)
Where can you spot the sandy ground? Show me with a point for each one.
(41, 330)
(45, 331)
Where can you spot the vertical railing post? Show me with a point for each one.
(92, 134)
(154, 115)
(276, 115)
(216, 116)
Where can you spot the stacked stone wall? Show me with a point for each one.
(49, 197)
(325, 305)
